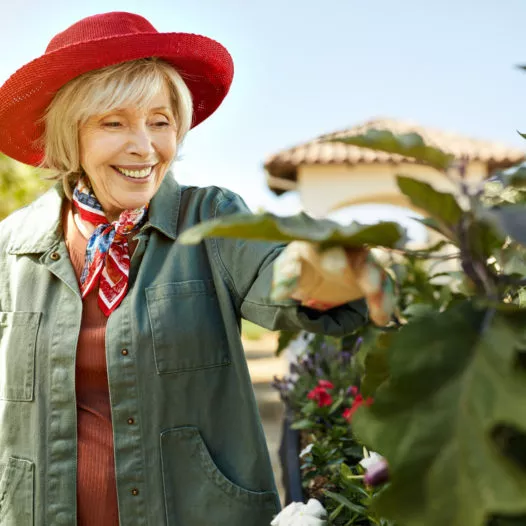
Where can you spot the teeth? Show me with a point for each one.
(136, 174)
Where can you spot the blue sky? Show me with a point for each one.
(309, 67)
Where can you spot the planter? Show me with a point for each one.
(289, 451)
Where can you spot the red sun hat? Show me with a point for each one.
(96, 42)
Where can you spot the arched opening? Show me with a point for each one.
(372, 213)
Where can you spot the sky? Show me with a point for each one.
(303, 68)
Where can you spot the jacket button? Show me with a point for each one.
(131, 421)
(55, 256)
(134, 492)
(124, 352)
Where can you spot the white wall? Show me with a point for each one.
(325, 188)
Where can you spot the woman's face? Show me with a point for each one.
(126, 153)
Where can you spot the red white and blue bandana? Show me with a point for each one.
(107, 256)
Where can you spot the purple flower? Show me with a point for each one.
(283, 386)
(357, 345)
(295, 369)
(307, 363)
(346, 357)
(377, 470)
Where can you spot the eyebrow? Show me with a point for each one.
(121, 110)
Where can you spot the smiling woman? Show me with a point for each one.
(116, 341)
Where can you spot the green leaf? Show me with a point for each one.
(433, 224)
(357, 508)
(442, 206)
(408, 144)
(415, 310)
(302, 424)
(514, 177)
(507, 521)
(336, 405)
(509, 220)
(523, 135)
(285, 337)
(376, 369)
(484, 237)
(268, 227)
(453, 380)
(336, 512)
(436, 247)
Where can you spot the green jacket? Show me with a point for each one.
(196, 454)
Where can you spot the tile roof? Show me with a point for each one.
(282, 166)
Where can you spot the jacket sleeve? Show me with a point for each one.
(247, 267)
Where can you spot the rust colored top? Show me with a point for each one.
(96, 487)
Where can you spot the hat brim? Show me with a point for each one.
(205, 65)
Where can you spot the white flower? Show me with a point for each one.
(368, 462)
(297, 347)
(293, 378)
(306, 450)
(299, 514)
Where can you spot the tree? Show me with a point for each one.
(19, 185)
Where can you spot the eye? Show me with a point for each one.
(112, 124)
(160, 124)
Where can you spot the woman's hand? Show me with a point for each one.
(325, 279)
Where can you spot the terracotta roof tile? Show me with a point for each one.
(284, 164)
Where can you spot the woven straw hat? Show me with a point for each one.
(96, 42)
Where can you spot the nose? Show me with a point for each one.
(141, 142)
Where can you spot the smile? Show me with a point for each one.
(135, 174)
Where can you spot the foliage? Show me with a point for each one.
(451, 385)
(448, 378)
(19, 185)
(268, 227)
(456, 374)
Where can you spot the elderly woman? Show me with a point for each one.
(124, 393)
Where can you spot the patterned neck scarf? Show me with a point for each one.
(107, 257)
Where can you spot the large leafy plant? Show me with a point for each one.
(449, 378)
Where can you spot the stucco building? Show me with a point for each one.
(329, 175)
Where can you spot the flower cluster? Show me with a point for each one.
(320, 393)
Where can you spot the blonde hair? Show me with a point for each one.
(99, 91)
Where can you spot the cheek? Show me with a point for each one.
(97, 149)
(168, 148)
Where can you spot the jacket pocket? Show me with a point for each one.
(18, 336)
(196, 492)
(16, 493)
(187, 327)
